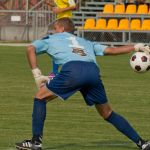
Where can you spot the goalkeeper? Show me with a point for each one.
(77, 57)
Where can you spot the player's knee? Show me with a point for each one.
(43, 93)
(40, 96)
(106, 114)
(104, 110)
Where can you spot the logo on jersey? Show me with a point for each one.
(77, 48)
(79, 51)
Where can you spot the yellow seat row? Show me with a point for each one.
(115, 24)
(129, 9)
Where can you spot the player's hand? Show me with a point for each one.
(40, 79)
(140, 47)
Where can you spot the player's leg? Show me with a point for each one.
(39, 111)
(38, 118)
(121, 124)
(95, 94)
(63, 85)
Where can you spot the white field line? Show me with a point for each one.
(14, 44)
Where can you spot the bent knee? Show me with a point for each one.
(44, 93)
(106, 114)
(104, 110)
(40, 96)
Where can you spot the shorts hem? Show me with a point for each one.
(55, 94)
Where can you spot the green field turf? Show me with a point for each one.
(71, 125)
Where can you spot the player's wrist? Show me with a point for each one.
(36, 72)
(138, 47)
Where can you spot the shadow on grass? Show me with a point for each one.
(107, 145)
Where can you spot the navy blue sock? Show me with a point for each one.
(38, 117)
(123, 126)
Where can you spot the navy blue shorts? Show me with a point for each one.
(79, 76)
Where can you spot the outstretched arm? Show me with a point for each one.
(127, 49)
(119, 50)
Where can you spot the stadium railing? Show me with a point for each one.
(17, 25)
(118, 32)
(116, 26)
(34, 24)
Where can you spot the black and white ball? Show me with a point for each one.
(140, 62)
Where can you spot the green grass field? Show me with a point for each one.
(71, 125)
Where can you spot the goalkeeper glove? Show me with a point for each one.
(40, 79)
(140, 47)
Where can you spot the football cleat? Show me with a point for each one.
(29, 145)
(144, 145)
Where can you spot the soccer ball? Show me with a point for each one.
(140, 62)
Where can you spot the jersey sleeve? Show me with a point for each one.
(41, 46)
(99, 49)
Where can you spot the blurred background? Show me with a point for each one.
(109, 22)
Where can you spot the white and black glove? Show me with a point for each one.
(140, 47)
(40, 79)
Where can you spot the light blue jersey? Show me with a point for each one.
(65, 47)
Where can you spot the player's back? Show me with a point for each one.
(65, 47)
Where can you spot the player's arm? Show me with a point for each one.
(101, 50)
(49, 3)
(126, 49)
(31, 55)
(119, 50)
(57, 10)
(37, 74)
(72, 6)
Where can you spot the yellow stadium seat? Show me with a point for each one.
(123, 24)
(120, 8)
(142, 9)
(108, 8)
(131, 9)
(146, 24)
(149, 10)
(135, 24)
(89, 24)
(100, 24)
(112, 24)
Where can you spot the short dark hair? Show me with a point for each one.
(67, 23)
